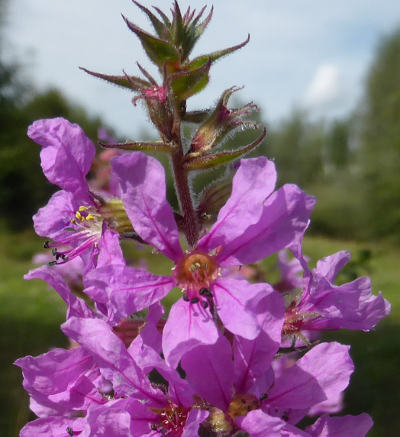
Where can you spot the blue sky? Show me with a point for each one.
(303, 53)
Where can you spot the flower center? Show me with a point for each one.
(241, 404)
(86, 229)
(194, 273)
(294, 319)
(172, 420)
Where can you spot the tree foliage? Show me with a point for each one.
(380, 138)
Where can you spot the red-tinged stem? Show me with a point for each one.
(191, 223)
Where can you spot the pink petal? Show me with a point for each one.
(330, 266)
(143, 193)
(346, 426)
(349, 306)
(129, 290)
(110, 250)
(53, 371)
(193, 421)
(55, 426)
(209, 370)
(56, 215)
(320, 374)
(109, 420)
(54, 278)
(259, 424)
(253, 183)
(252, 357)
(67, 153)
(187, 326)
(111, 356)
(283, 221)
(237, 304)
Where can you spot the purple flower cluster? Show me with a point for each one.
(234, 356)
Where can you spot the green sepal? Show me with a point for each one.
(201, 60)
(187, 83)
(131, 82)
(157, 146)
(197, 161)
(158, 50)
(159, 27)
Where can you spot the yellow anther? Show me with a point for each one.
(90, 217)
(82, 208)
(79, 216)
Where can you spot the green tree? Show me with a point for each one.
(297, 146)
(380, 139)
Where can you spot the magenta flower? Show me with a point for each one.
(254, 223)
(62, 384)
(274, 404)
(137, 407)
(321, 305)
(74, 218)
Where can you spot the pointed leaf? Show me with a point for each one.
(159, 27)
(163, 16)
(201, 60)
(202, 26)
(177, 28)
(187, 83)
(213, 160)
(157, 146)
(131, 82)
(159, 51)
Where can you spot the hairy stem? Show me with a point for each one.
(191, 223)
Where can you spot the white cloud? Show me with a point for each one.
(325, 89)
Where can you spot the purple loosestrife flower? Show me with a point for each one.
(255, 222)
(74, 218)
(321, 305)
(270, 405)
(146, 410)
(62, 384)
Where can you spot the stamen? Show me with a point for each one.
(205, 292)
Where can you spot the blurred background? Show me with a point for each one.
(327, 81)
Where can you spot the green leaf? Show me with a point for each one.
(187, 83)
(159, 27)
(163, 16)
(196, 162)
(202, 26)
(178, 27)
(158, 50)
(193, 31)
(157, 146)
(131, 82)
(201, 60)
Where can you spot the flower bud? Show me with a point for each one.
(221, 121)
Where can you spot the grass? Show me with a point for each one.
(30, 315)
